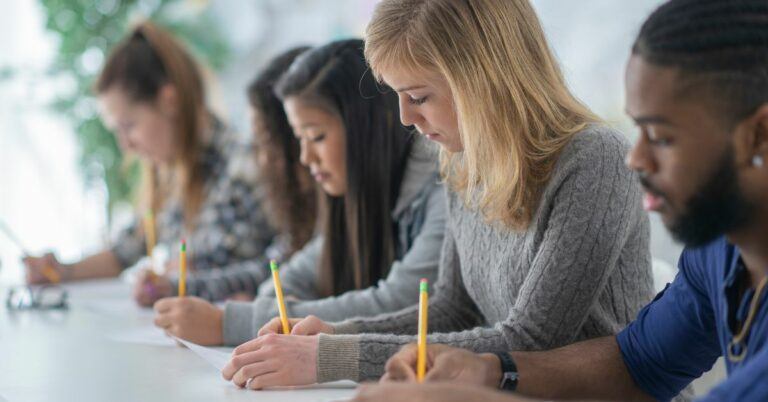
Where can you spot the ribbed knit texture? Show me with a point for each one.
(581, 270)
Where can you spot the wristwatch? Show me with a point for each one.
(509, 375)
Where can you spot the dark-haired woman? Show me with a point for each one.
(382, 215)
(198, 180)
(289, 202)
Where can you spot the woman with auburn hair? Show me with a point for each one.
(546, 242)
(198, 180)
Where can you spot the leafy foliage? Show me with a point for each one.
(86, 30)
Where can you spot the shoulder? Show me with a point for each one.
(236, 153)
(708, 264)
(594, 144)
(593, 157)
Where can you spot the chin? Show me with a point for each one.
(332, 190)
(453, 148)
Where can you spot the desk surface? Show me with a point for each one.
(69, 356)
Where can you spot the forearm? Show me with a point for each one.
(101, 265)
(591, 369)
(218, 284)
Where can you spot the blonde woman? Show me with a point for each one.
(546, 242)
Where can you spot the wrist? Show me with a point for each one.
(492, 370)
(66, 271)
(219, 326)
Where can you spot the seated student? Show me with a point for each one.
(383, 212)
(697, 86)
(197, 178)
(546, 243)
(289, 200)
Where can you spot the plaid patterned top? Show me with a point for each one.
(231, 225)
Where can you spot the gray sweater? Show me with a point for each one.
(581, 270)
(420, 217)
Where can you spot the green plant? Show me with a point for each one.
(86, 30)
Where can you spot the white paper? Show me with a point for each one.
(144, 336)
(216, 358)
(118, 308)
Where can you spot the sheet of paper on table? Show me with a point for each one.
(217, 358)
(143, 336)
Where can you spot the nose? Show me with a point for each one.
(307, 154)
(640, 157)
(408, 116)
(124, 140)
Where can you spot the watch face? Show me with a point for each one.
(509, 381)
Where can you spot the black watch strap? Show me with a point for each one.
(509, 374)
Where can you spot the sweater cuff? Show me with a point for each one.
(237, 323)
(347, 327)
(338, 358)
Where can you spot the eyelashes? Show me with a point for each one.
(318, 138)
(417, 101)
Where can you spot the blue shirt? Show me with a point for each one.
(679, 335)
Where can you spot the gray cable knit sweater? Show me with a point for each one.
(581, 270)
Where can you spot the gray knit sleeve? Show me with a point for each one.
(593, 207)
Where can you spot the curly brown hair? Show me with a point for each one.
(291, 201)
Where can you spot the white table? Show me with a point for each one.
(69, 356)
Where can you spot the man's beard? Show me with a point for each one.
(716, 208)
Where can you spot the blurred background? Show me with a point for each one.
(64, 186)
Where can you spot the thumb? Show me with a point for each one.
(399, 370)
(301, 326)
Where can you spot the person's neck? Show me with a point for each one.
(752, 242)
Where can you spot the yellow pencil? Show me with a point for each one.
(421, 362)
(183, 269)
(149, 232)
(279, 295)
(51, 273)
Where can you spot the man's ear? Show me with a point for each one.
(751, 137)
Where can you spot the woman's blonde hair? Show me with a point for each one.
(148, 58)
(514, 109)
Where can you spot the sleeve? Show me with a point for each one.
(129, 245)
(450, 309)
(219, 283)
(746, 384)
(232, 225)
(397, 291)
(298, 278)
(674, 339)
(450, 306)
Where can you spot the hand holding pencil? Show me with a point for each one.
(45, 269)
(40, 270)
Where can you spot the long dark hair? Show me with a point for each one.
(290, 190)
(146, 60)
(359, 233)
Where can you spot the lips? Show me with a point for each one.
(320, 176)
(652, 202)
